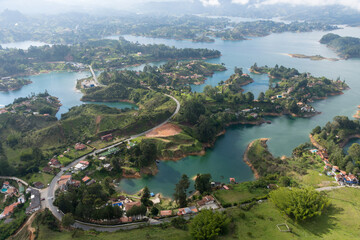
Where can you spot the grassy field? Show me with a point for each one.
(45, 178)
(260, 222)
(238, 193)
(315, 179)
(340, 221)
(144, 233)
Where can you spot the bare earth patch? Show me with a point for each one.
(165, 130)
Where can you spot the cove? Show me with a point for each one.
(59, 84)
(225, 159)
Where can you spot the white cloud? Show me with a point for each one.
(243, 2)
(207, 3)
(355, 4)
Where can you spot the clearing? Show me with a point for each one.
(165, 130)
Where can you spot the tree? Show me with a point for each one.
(67, 220)
(261, 97)
(208, 224)
(145, 198)
(180, 190)
(192, 110)
(202, 183)
(354, 152)
(137, 210)
(249, 96)
(316, 130)
(154, 211)
(299, 204)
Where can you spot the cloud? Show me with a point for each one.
(243, 2)
(355, 4)
(207, 3)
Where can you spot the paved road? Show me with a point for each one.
(94, 76)
(15, 179)
(50, 193)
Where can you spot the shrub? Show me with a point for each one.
(299, 204)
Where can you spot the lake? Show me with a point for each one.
(23, 45)
(225, 160)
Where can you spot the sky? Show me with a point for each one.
(65, 5)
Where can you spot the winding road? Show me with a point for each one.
(49, 193)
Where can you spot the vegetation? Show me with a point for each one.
(346, 47)
(202, 183)
(334, 136)
(98, 53)
(294, 91)
(180, 195)
(208, 225)
(11, 84)
(300, 204)
(87, 203)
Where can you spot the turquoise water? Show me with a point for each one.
(59, 84)
(351, 142)
(3, 190)
(225, 160)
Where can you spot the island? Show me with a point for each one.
(12, 84)
(345, 47)
(295, 91)
(100, 54)
(314, 57)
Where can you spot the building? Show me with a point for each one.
(38, 185)
(80, 146)
(335, 169)
(107, 137)
(165, 213)
(82, 165)
(351, 179)
(8, 210)
(35, 203)
(206, 200)
(54, 163)
(86, 179)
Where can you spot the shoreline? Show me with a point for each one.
(211, 144)
(246, 158)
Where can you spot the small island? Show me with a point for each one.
(314, 57)
(345, 47)
(12, 84)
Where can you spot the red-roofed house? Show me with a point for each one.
(85, 163)
(54, 163)
(165, 213)
(342, 172)
(8, 210)
(335, 169)
(206, 200)
(107, 137)
(80, 146)
(86, 179)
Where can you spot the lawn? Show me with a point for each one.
(45, 178)
(64, 160)
(144, 233)
(238, 193)
(315, 179)
(260, 222)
